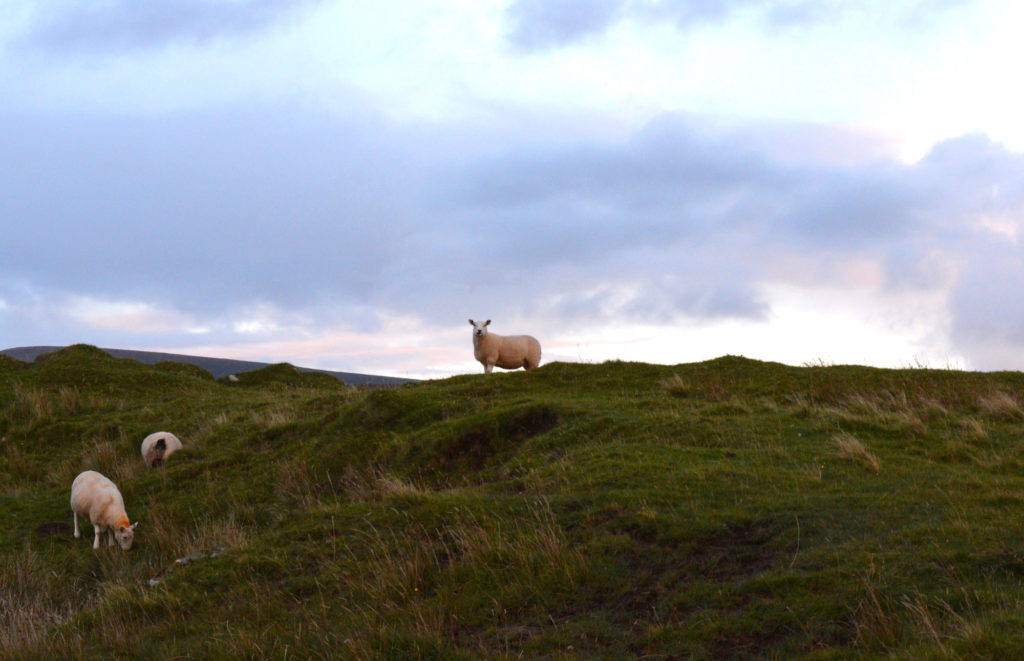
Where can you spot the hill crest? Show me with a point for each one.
(218, 367)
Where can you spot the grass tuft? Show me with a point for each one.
(32, 403)
(34, 599)
(1000, 405)
(676, 386)
(851, 449)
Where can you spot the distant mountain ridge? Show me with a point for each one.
(218, 367)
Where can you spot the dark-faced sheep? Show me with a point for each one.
(158, 446)
(507, 352)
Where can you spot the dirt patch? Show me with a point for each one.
(54, 528)
(740, 550)
(497, 439)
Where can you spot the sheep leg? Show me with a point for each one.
(488, 369)
(96, 536)
(77, 534)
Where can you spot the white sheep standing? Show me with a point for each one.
(158, 446)
(507, 352)
(93, 494)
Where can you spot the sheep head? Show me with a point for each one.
(125, 535)
(479, 328)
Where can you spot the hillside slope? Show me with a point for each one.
(218, 367)
(726, 509)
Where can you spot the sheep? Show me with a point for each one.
(158, 446)
(95, 495)
(507, 352)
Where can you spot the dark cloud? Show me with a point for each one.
(333, 221)
(234, 204)
(711, 214)
(116, 26)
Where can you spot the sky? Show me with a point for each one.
(343, 185)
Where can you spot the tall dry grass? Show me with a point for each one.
(376, 485)
(202, 536)
(32, 403)
(1000, 405)
(850, 448)
(417, 575)
(99, 455)
(34, 599)
(885, 619)
(70, 399)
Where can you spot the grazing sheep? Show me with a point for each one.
(95, 495)
(158, 446)
(511, 352)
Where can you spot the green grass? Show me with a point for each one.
(725, 509)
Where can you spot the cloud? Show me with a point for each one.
(209, 213)
(242, 222)
(986, 307)
(985, 221)
(236, 204)
(683, 221)
(537, 25)
(119, 26)
(541, 24)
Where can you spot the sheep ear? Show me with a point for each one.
(133, 525)
(470, 322)
(488, 323)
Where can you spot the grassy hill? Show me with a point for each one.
(725, 509)
(218, 367)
